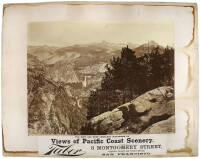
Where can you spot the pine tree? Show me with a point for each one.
(128, 77)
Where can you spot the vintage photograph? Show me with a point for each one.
(100, 77)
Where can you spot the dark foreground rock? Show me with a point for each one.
(138, 115)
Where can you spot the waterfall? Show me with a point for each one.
(84, 82)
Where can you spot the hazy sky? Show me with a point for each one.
(68, 33)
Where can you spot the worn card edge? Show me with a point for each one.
(194, 40)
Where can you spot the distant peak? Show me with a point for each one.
(104, 42)
(152, 42)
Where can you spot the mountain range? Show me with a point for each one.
(82, 54)
(71, 64)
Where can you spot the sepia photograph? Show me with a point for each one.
(100, 77)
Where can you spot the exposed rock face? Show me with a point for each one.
(51, 107)
(161, 127)
(136, 116)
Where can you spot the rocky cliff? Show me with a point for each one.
(154, 109)
(51, 107)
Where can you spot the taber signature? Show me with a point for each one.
(68, 150)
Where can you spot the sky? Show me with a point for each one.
(67, 33)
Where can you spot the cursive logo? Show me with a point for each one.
(56, 149)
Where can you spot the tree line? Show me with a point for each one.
(129, 76)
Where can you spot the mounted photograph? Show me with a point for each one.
(100, 78)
